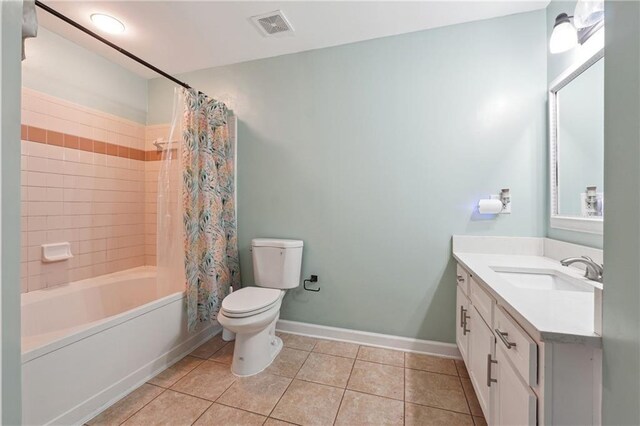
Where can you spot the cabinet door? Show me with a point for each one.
(514, 403)
(462, 323)
(482, 344)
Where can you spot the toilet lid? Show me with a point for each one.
(249, 299)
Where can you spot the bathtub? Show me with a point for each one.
(88, 343)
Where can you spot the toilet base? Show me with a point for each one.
(254, 352)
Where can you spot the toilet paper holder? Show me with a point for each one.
(497, 203)
(505, 197)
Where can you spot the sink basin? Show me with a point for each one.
(542, 280)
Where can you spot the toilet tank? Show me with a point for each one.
(276, 263)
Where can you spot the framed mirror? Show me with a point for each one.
(576, 136)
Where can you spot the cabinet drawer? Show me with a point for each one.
(483, 302)
(519, 347)
(462, 277)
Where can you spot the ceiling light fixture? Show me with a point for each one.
(107, 23)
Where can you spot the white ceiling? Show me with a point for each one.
(180, 36)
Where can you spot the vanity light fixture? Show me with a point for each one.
(588, 18)
(107, 23)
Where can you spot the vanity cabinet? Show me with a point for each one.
(504, 395)
(519, 378)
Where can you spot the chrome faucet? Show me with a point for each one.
(593, 272)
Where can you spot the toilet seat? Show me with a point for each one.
(249, 301)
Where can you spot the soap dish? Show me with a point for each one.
(56, 252)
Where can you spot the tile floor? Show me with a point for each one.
(311, 382)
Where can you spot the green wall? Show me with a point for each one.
(375, 153)
(61, 68)
(621, 311)
(10, 356)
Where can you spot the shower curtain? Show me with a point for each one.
(210, 244)
(204, 181)
(169, 229)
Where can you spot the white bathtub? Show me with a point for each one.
(86, 344)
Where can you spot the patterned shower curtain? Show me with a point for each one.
(211, 246)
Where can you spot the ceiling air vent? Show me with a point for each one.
(272, 24)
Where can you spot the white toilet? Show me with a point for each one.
(252, 312)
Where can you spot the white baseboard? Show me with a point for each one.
(406, 344)
(125, 386)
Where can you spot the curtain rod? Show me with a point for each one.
(110, 44)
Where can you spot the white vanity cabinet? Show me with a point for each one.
(504, 396)
(519, 378)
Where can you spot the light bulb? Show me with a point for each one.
(564, 35)
(107, 23)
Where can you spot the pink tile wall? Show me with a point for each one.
(94, 201)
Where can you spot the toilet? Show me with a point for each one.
(252, 312)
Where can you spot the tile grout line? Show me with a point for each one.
(344, 391)
(404, 388)
(466, 398)
(432, 372)
(292, 379)
(138, 410)
(440, 408)
(279, 399)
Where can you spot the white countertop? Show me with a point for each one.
(555, 315)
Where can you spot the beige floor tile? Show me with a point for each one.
(127, 406)
(295, 341)
(420, 415)
(208, 348)
(472, 399)
(362, 409)
(326, 369)
(209, 380)
(479, 421)
(307, 403)
(177, 371)
(275, 422)
(377, 379)
(224, 355)
(171, 409)
(381, 355)
(462, 369)
(430, 363)
(331, 347)
(288, 362)
(258, 393)
(222, 415)
(435, 390)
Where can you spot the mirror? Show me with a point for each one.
(576, 105)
